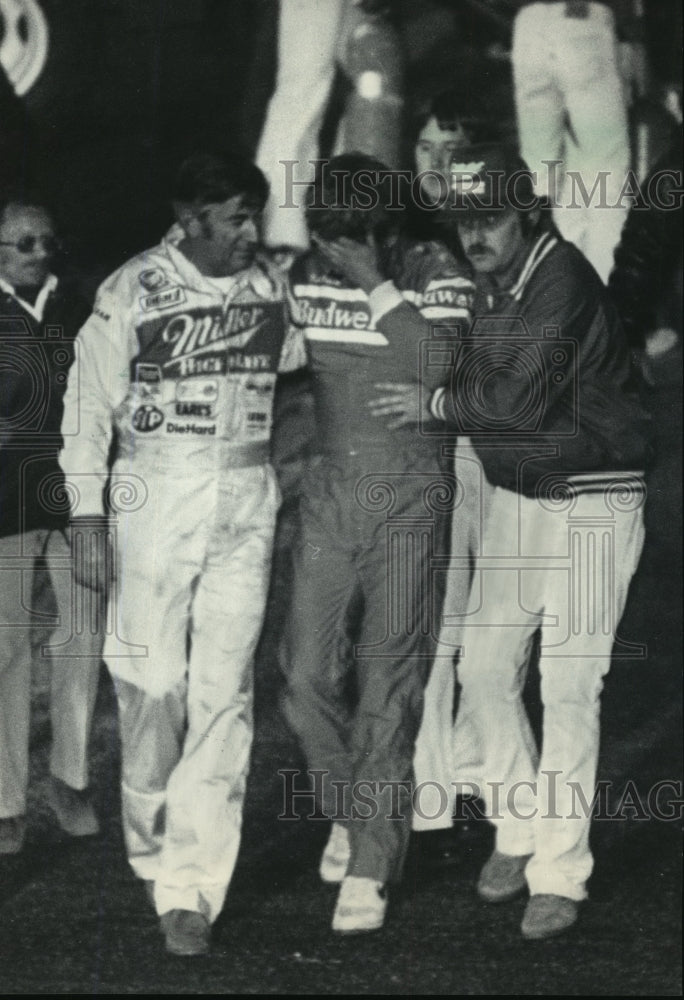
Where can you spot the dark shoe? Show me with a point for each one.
(12, 833)
(503, 877)
(548, 915)
(187, 932)
(73, 809)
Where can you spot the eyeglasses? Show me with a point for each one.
(27, 244)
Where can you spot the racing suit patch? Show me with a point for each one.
(147, 418)
(153, 279)
(163, 300)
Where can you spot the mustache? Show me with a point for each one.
(478, 248)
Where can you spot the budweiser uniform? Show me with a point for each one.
(374, 520)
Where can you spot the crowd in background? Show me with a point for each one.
(326, 311)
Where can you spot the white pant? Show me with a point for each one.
(313, 37)
(192, 579)
(308, 38)
(565, 567)
(570, 104)
(449, 753)
(74, 654)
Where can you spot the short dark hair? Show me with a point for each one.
(350, 197)
(446, 108)
(452, 112)
(209, 178)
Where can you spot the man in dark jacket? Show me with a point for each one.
(544, 387)
(39, 317)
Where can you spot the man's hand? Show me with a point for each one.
(407, 403)
(358, 262)
(91, 551)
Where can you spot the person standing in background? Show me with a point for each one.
(572, 111)
(448, 754)
(315, 38)
(39, 318)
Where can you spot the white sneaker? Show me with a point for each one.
(333, 866)
(361, 906)
(660, 341)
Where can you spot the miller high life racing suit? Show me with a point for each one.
(374, 519)
(183, 368)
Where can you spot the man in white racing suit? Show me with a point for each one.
(179, 359)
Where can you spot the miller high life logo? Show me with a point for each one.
(194, 335)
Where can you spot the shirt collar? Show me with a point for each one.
(258, 276)
(37, 308)
(543, 245)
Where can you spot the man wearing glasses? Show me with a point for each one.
(39, 317)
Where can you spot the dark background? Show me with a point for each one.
(131, 86)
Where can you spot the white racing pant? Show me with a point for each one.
(448, 753)
(193, 570)
(73, 651)
(564, 566)
(570, 105)
(308, 41)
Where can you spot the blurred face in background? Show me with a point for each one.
(27, 245)
(435, 146)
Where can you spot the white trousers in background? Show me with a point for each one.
(73, 651)
(564, 566)
(570, 103)
(308, 38)
(448, 754)
(193, 569)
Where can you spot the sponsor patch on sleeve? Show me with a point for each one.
(153, 279)
(163, 300)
